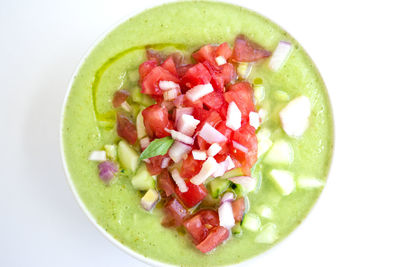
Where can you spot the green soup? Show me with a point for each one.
(112, 65)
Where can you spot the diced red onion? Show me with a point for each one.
(240, 147)
(180, 136)
(211, 135)
(165, 163)
(208, 168)
(199, 155)
(228, 197)
(234, 116)
(179, 181)
(225, 214)
(249, 183)
(187, 124)
(224, 166)
(146, 161)
(199, 91)
(150, 199)
(107, 170)
(178, 101)
(178, 150)
(280, 55)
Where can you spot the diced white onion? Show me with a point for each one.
(180, 136)
(213, 150)
(150, 199)
(169, 105)
(145, 142)
(225, 214)
(280, 55)
(248, 183)
(178, 150)
(240, 147)
(146, 161)
(170, 94)
(165, 162)
(263, 114)
(234, 116)
(180, 111)
(211, 135)
(199, 155)
(199, 91)
(187, 124)
(178, 101)
(254, 119)
(220, 60)
(179, 181)
(168, 85)
(125, 106)
(224, 166)
(208, 168)
(140, 128)
(228, 196)
(230, 163)
(98, 155)
(294, 117)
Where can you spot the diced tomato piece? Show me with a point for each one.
(151, 80)
(194, 195)
(216, 236)
(175, 213)
(199, 113)
(228, 73)
(213, 118)
(201, 143)
(210, 116)
(222, 128)
(146, 67)
(199, 224)
(177, 57)
(223, 110)
(220, 75)
(223, 50)
(190, 167)
(126, 129)
(213, 100)
(120, 97)
(246, 136)
(182, 69)
(205, 53)
(198, 74)
(169, 65)
(165, 183)
(196, 104)
(238, 208)
(154, 167)
(242, 94)
(154, 55)
(155, 120)
(245, 50)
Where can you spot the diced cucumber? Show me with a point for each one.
(268, 234)
(259, 92)
(309, 182)
(283, 180)
(264, 141)
(111, 151)
(251, 222)
(232, 173)
(281, 152)
(281, 95)
(218, 186)
(264, 211)
(238, 190)
(128, 157)
(237, 230)
(142, 180)
(140, 128)
(244, 69)
(150, 199)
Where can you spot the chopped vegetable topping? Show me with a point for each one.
(157, 147)
(98, 155)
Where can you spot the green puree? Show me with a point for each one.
(113, 64)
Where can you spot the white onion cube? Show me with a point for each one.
(98, 155)
(199, 91)
(187, 124)
(234, 116)
(199, 155)
(294, 117)
(208, 168)
(213, 150)
(254, 120)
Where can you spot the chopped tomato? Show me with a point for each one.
(182, 69)
(199, 224)
(201, 143)
(216, 236)
(154, 55)
(220, 75)
(213, 100)
(238, 208)
(190, 167)
(205, 53)
(196, 104)
(165, 183)
(222, 128)
(175, 213)
(151, 80)
(198, 74)
(228, 72)
(246, 51)
(223, 50)
(169, 65)
(146, 67)
(155, 120)
(194, 195)
(126, 129)
(242, 94)
(154, 167)
(246, 136)
(120, 97)
(212, 117)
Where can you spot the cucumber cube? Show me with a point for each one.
(237, 230)
(142, 180)
(128, 157)
(111, 151)
(268, 234)
(218, 186)
(264, 211)
(150, 199)
(283, 180)
(309, 182)
(281, 152)
(233, 173)
(251, 222)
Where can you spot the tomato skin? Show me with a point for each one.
(155, 120)
(146, 67)
(165, 183)
(201, 143)
(205, 53)
(223, 50)
(169, 65)
(150, 82)
(242, 94)
(154, 55)
(216, 236)
(120, 97)
(199, 224)
(198, 74)
(175, 213)
(190, 167)
(182, 69)
(246, 136)
(196, 104)
(194, 195)
(213, 100)
(154, 167)
(126, 129)
(238, 208)
(246, 51)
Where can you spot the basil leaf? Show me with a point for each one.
(157, 147)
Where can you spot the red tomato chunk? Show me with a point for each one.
(238, 208)
(194, 195)
(175, 213)
(247, 51)
(165, 183)
(216, 236)
(120, 97)
(200, 223)
(155, 120)
(126, 129)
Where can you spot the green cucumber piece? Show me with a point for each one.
(268, 234)
(284, 181)
(111, 151)
(281, 96)
(264, 211)
(259, 92)
(232, 173)
(251, 222)
(281, 152)
(142, 180)
(264, 141)
(237, 230)
(128, 157)
(218, 186)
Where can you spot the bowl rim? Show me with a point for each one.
(72, 187)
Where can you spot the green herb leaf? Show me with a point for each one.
(157, 147)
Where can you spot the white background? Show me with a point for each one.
(355, 45)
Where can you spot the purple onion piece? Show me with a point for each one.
(107, 170)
